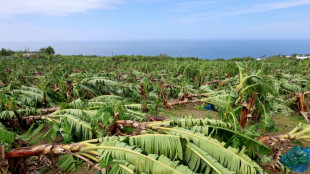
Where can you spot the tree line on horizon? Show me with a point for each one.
(50, 51)
(8, 52)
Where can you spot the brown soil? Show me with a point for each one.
(188, 110)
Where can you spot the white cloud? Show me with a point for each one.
(9, 8)
(246, 9)
(280, 5)
(270, 6)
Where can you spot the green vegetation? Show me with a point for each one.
(49, 50)
(5, 52)
(81, 101)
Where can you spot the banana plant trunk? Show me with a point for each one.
(301, 104)
(37, 150)
(143, 98)
(247, 108)
(3, 161)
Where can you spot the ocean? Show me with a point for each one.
(205, 49)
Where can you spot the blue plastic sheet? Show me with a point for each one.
(209, 107)
(297, 159)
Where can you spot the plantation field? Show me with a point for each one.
(142, 114)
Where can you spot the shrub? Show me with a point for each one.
(49, 50)
(5, 52)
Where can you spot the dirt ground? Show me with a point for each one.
(188, 110)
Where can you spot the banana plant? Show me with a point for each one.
(173, 148)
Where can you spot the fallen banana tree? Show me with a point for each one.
(301, 104)
(190, 96)
(175, 146)
(282, 143)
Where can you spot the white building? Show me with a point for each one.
(302, 57)
(30, 55)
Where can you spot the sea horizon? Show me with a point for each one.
(199, 48)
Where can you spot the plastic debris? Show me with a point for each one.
(297, 159)
(209, 107)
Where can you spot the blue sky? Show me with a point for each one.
(57, 20)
